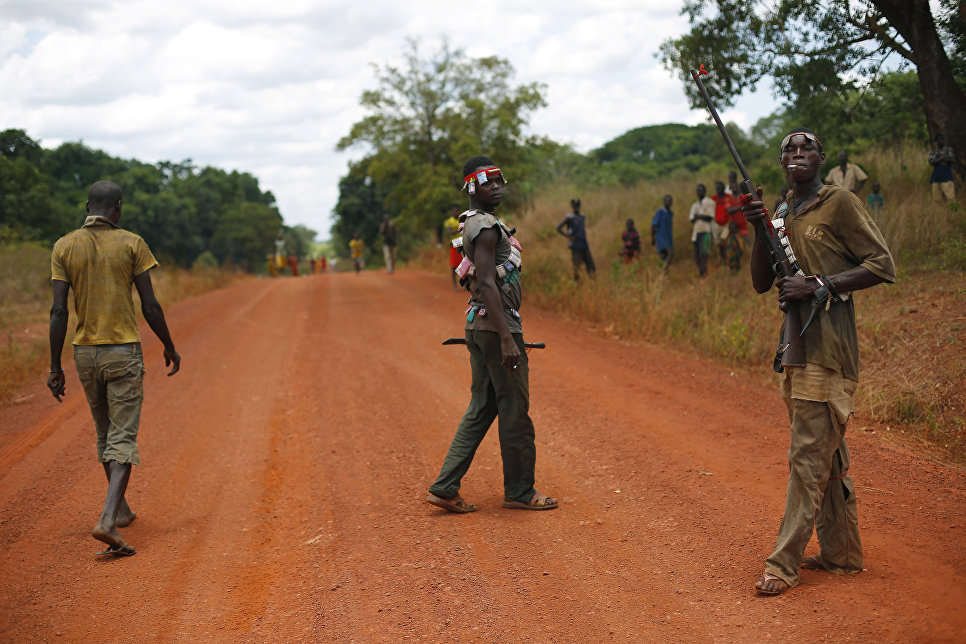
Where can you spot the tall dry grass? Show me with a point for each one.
(25, 299)
(912, 334)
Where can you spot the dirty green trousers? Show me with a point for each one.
(496, 392)
(820, 493)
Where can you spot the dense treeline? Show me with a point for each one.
(185, 214)
(420, 131)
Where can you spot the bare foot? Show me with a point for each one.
(769, 584)
(110, 536)
(124, 517)
(813, 563)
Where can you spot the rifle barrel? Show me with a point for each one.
(717, 119)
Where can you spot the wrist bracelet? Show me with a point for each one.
(56, 371)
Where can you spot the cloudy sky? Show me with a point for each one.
(269, 87)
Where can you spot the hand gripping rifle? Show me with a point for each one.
(791, 350)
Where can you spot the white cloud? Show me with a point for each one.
(270, 88)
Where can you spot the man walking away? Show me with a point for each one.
(662, 232)
(576, 224)
(100, 261)
(941, 159)
(388, 231)
(355, 246)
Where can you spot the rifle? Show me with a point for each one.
(791, 349)
(528, 345)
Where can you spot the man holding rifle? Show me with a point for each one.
(839, 250)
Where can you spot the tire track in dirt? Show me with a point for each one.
(281, 496)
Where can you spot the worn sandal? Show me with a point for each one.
(455, 504)
(537, 502)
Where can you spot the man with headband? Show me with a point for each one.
(839, 250)
(490, 269)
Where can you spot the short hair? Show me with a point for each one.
(798, 130)
(103, 195)
(937, 136)
(476, 162)
(575, 203)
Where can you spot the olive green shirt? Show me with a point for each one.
(100, 262)
(511, 292)
(830, 236)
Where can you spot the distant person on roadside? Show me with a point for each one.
(942, 158)
(293, 264)
(355, 246)
(388, 231)
(631, 240)
(498, 359)
(281, 252)
(875, 200)
(845, 175)
(701, 217)
(662, 232)
(271, 265)
(724, 208)
(451, 228)
(840, 250)
(100, 261)
(575, 224)
(739, 238)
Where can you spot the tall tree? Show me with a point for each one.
(428, 116)
(824, 47)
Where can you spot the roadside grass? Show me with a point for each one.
(25, 298)
(912, 335)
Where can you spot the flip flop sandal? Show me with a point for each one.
(456, 505)
(118, 551)
(766, 577)
(537, 502)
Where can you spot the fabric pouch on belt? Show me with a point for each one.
(821, 384)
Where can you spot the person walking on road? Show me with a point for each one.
(498, 360)
(355, 246)
(100, 261)
(388, 231)
(576, 224)
(451, 228)
(840, 250)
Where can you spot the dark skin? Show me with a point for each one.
(116, 511)
(486, 198)
(806, 158)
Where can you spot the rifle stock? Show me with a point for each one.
(791, 351)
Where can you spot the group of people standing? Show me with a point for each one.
(717, 222)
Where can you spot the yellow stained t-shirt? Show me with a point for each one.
(100, 262)
(356, 245)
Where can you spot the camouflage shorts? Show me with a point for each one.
(112, 376)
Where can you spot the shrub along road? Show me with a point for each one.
(285, 467)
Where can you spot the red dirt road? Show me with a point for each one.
(284, 470)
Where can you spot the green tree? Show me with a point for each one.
(427, 117)
(817, 50)
(244, 234)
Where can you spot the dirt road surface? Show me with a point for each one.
(284, 470)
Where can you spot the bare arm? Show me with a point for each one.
(560, 228)
(485, 262)
(58, 333)
(154, 315)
